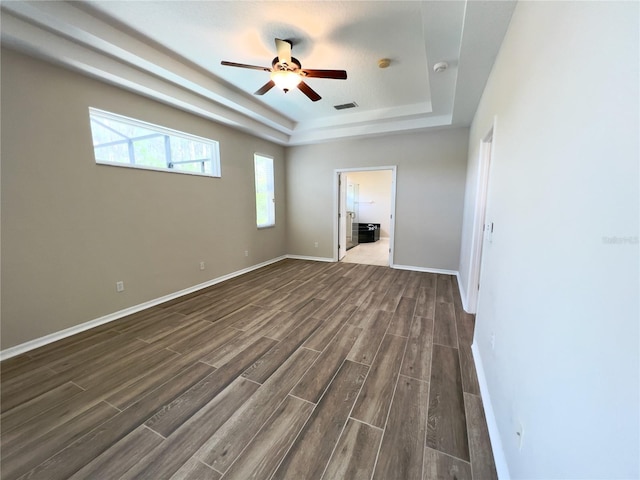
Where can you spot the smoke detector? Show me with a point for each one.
(440, 67)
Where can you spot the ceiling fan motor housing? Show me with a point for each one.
(295, 65)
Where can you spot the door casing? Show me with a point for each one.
(339, 234)
(480, 221)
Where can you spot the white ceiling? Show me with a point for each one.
(171, 51)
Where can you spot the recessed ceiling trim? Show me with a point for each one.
(369, 129)
(67, 21)
(363, 117)
(105, 42)
(55, 49)
(477, 63)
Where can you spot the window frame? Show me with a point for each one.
(271, 182)
(95, 114)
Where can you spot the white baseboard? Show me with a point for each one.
(463, 294)
(494, 435)
(313, 259)
(53, 337)
(424, 269)
(67, 332)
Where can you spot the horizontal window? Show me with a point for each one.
(123, 141)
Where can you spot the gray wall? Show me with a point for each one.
(71, 228)
(559, 293)
(431, 172)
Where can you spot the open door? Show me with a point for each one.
(342, 215)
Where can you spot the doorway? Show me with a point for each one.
(365, 207)
(482, 230)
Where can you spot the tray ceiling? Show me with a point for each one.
(171, 51)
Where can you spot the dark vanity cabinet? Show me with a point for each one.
(368, 232)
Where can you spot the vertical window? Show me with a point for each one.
(265, 191)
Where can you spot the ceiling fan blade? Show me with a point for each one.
(242, 65)
(337, 74)
(309, 92)
(265, 88)
(284, 51)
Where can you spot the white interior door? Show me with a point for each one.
(342, 215)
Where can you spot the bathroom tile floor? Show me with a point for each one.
(374, 253)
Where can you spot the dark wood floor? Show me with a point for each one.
(299, 370)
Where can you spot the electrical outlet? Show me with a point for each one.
(201, 265)
(315, 244)
(492, 340)
(246, 253)
(120, 286)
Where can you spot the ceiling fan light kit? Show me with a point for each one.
(287, 72)
(285, 79)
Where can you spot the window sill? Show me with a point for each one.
(152, 169)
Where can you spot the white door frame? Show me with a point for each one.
(342, 215)
(336, 194)
(479, 219)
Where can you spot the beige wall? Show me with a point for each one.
(431, 170)
(71, 228)
(375, 189)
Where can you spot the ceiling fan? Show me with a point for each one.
(287, 72)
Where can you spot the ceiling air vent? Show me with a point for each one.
(344, 106)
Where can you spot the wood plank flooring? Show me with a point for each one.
(299, 370)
